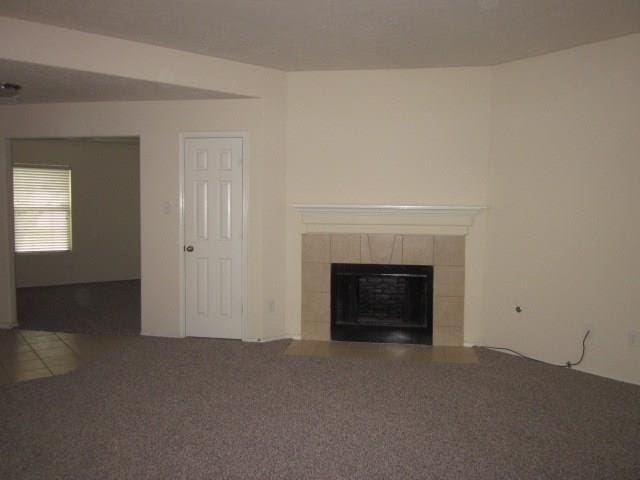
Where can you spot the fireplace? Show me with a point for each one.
(443, 255)
(382, 303)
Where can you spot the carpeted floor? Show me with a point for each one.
(211, 409)
(111, 308)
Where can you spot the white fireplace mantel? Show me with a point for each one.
(364, 220)
(387, 215)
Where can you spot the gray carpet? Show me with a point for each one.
(111, 308)
(207, 409)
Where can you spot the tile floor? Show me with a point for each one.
(29, 354)
(382, 351)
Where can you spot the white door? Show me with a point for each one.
(213, 236)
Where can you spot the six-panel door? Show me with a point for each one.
(213, 234)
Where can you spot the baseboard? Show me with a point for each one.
(145, 333)
(272, 339)
(610, 377)
(8, 326)
(577, 369)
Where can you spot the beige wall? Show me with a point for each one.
(563, 231)
(106, 212)
(158, 124)
(272, 205)
(407, 137)
(396, 136)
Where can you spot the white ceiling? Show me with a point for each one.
(346, 34)
(43, 84)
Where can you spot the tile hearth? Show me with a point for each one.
(377, 351)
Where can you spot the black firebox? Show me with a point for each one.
(382, 303)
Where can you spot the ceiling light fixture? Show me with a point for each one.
(9, 90)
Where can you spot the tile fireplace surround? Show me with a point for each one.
(387, 234)
(445, 252)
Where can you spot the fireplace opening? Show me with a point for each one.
(382, 303)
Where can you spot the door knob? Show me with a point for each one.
(189, 248)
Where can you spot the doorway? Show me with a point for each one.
(76, 233)
(214, 234)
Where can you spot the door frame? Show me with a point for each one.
(244, 136)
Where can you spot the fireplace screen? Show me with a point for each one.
(382, 303)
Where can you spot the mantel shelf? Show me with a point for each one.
(416, 215)
(465, 210)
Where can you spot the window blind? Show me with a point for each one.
(42, 209)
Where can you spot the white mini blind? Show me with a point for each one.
(42, 209)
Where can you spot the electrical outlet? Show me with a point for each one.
(634, 338)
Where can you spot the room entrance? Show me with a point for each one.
(76, 234)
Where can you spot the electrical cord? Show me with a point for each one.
(567, 365)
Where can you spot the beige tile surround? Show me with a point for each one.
(445, 252)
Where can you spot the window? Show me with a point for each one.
(42, 209)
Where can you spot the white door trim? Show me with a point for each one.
(184, 136)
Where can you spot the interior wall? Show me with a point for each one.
(105, 202)
(398, 137)
(388, 136)
(273, 214)
(158, 124)
(563, 230)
